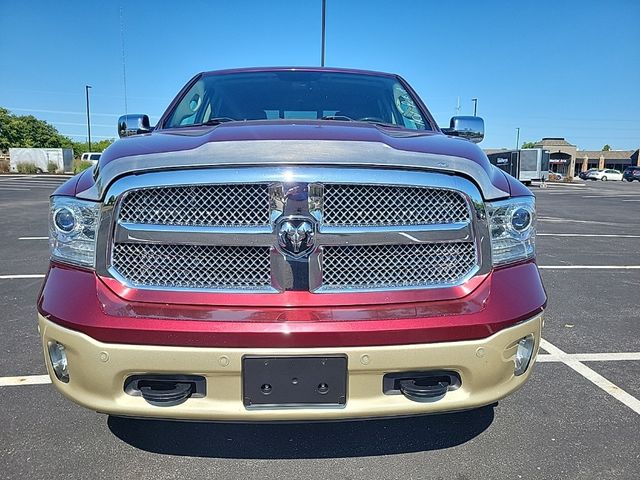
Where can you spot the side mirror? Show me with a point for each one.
(133, 124)
(471, 128)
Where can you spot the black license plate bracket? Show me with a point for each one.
(295, 381)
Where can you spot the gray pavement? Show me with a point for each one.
(559, 425)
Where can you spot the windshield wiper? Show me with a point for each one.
(382, 124)
(375, 121)
(217, 121)
(342, 118)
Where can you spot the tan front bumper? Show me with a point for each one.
(98, 370)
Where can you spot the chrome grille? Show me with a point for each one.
(393, 266)
(201, 230)
(193, 266)
(198, 205)
(370, 205)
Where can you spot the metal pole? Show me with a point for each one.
(475, 106)
(124, 68)
(517, 138)
(324, 9)
(86, 90)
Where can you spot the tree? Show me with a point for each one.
(27, 132)
(82, 147)
(606, 148)
(529, 145)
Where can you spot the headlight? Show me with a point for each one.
(72, 230)
(512, 227)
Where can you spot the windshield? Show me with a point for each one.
(297, 95)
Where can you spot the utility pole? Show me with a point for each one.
(517, 138)
(475, 106)
(86, 90)
(124, 68)
(324, 11)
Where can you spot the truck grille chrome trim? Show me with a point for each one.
(370, 230)
(369, 267)
(198, 205)
(194, 266)
(373, 205)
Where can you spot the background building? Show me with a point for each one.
(562, 154)
(565, 158)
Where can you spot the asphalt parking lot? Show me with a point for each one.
(578, 417)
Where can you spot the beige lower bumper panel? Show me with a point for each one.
(98, 372)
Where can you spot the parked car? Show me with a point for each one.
(585, 174)
(92, 157)
(292, 244)
(555, 176)
(631, 173)
(607, 174)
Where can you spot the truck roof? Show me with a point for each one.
(299, 69)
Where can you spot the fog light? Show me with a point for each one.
(58, 358)
(524, 354)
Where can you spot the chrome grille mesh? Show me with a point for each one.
(393, 266)
(199, 205)
(171, 257)
(368, 205)
(193, 266)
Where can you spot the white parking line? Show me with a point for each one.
(586, 234)
(33, 238)
(592, 357)
(29, 185)
(616, 392)
(35, 180)
(551, 184)
(13, 277)
(13, 176)
(611, 196)
(589, 267)
(574, 193)
(631, 200)
(569, 220)
(15, 189)
(24, 380)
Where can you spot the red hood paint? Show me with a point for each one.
(181, 139)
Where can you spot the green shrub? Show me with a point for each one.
(4, 166)
(81, 165)
(52, 167)
(27, 167)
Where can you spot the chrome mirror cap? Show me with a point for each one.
(471, 128)
(133, 124)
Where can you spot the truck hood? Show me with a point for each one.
(254, 143)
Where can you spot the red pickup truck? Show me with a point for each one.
(291, 244)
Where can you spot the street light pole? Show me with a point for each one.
(324, 9)
(86, 90)
(517, 138)
(475, 106)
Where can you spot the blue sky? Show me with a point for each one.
(552, 68)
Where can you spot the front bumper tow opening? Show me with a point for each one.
(429, 386)
(166, 390)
